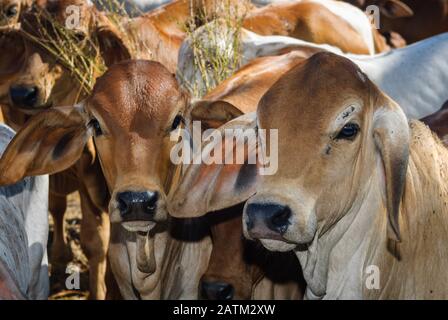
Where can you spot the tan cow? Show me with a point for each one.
(131, 114)
(236, 267)
(322, 22)
(350, 196)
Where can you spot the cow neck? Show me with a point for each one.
(333, 263)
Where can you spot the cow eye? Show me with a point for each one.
(348, 132)
(96, 127)
(11, 11)
(176, 122)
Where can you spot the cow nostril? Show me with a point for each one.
(24, 96)
(226, 292)
(281, 218)
(151, 202)
(263, 216)
(122, 206)
(217, 291)
(137, 205)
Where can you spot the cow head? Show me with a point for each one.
(44, 79)
(337, 131)
(131, 113)
(32, 90)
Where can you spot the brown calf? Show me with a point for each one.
(133, 110)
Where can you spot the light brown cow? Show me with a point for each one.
(414, 20)
(132, 112)
(322, 22)
(236, 266)
(350, 195)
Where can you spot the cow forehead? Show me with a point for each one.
(137, 92)
(313, 93)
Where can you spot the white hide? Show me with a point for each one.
(24, 230)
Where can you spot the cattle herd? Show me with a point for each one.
(346, 198)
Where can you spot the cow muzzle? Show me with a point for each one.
(267, 220)
(25, 97)
(137, 209)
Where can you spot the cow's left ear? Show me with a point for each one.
(111, 40)
(391, 135)
(50, 142)
(395, 9)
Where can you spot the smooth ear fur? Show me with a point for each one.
(391, 134)
(395, 9)
(210, 187)
(213, 114)
(50, 141)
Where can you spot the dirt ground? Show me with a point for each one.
(58, 274)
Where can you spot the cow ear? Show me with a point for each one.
(111, 40)
(213, 114)
(395, 9)
(391, 135)
(206, 186)
(50, 142)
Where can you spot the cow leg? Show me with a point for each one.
(95, 230)
(60, 251)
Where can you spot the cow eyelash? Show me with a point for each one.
(348, 132)
(96, 127)
(176, 122)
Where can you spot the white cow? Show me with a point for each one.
(23, 235)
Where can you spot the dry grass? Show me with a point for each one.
(216, 51)
(81, 58)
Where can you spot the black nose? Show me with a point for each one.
(216, 290)
(264, 219)
(23, 96)
(137, 205)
